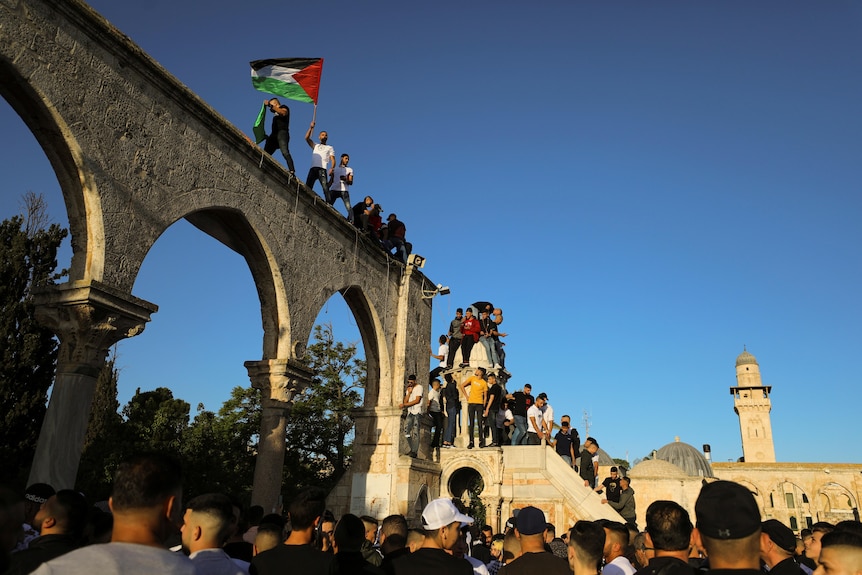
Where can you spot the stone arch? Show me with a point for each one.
(80, 194)
(836, 502)
(233, 229)
(371, 330)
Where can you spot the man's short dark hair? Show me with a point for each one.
(145, 480)
(219, 507)
(550, 528)
(482, 369)
(587, 538)
(70, 510)
(459, 310)
(822, 527)
(842, 538)
(394, 525)
(669, 526)
(617, 531)
(349, 533)
(308, 505)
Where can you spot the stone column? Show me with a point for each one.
(279, 380)
(88, 318)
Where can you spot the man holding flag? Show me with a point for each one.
(279, 136)
(292, 78)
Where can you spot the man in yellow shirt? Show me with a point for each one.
(476, 399)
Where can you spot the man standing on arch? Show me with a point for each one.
(322, 157)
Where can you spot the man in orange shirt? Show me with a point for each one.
(476, 399)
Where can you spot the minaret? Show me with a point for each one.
(751, 403)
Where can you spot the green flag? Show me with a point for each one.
(259, 130)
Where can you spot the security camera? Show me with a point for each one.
(416, 260)
(443, 290)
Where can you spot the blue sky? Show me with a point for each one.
(643, 187)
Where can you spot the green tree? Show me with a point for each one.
(221, 447)
(28, 352)
(102, 450)
(155, 421)
(320, 426)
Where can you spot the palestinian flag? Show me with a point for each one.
(293, 78)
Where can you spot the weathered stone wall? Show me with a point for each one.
(135, 151)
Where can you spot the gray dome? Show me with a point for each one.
(745, 358)
(604, 458)
(686, 457)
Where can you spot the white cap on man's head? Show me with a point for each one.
(442, 512)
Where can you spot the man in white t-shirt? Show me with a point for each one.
(535, 423)
(322, 163)
(342, 177)
(547, 417)
(413, 403)
(442, 356)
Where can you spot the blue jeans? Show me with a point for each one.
(490, 348)
(474, 410)
(520, 429)
(411, 431)
(280, 140)
(451, 423)
(320, 175)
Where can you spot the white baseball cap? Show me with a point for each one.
(442, 512)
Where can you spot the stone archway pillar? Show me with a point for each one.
(279, 380)
(88, 318)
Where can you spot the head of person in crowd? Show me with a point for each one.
(849, 525)
(415, 539)
(324, 136)
(34, 497)
(840, 553)
(497, 546)
(540, 400)
(530, 528)
(393, 532)
(327, 530)
(625, 483)
(728, 526)
(487, 534)
(616, 540)
(550, 532)
(527, 389)
(64, 513)
(591, 445)
(643, 552)
(586, 547)
(371, 523)
(349, 534)
(305, 513)
(369, 201)
(146, 500)
(480, 372)
(812, 545)
(269, 535)
(777, 542)
(511, 546)
(207, 522)
(615, 472)
(468, 313)
(441, 523)
(668, 530)
(345, 159)
(459, 313)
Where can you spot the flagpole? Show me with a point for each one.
(314, 115)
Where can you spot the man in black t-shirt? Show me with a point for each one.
(280, 136)
(519, 403)
(611, 486)
(491, 407)
(586, 468)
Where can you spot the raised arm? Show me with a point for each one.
(308, 139)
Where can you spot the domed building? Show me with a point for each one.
(797, 494)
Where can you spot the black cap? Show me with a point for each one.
(780, 534)
(726, 510)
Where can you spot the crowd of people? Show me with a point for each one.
(335, 180)
(150, 530)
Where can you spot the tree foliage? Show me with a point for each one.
(219, 449)
(320, 426)
(104, 430)
(28, 352)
